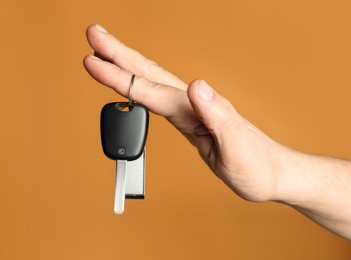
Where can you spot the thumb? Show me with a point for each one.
(218, 115)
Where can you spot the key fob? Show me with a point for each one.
(123, 130)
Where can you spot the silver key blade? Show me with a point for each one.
(120, 191)
(135, 187)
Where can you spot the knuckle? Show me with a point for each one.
(229, 119)
(150, 67)
(114, 49)
(148, 89)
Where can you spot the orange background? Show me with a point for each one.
(285, 65)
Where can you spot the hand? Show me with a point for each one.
(242, 156)
(249, 162)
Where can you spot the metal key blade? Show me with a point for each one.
(135, 187)
(120, 191)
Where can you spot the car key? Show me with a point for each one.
(124, 127)
(123, 136)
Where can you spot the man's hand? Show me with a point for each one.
(237, 152)
(253, 165)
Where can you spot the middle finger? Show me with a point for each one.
(163, 100)
(106, 45)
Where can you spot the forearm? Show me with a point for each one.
(320, 188)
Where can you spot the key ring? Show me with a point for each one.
(130, 101)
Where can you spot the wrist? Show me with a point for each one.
(312, 182)
(292, 183)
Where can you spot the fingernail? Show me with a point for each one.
(94, 57)
(100, 28)
(205, 92)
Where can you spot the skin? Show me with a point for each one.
(253, 165)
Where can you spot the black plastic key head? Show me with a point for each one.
(124, 130)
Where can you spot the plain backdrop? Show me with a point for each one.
(285, 66)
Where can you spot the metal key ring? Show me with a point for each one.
(130, 101)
